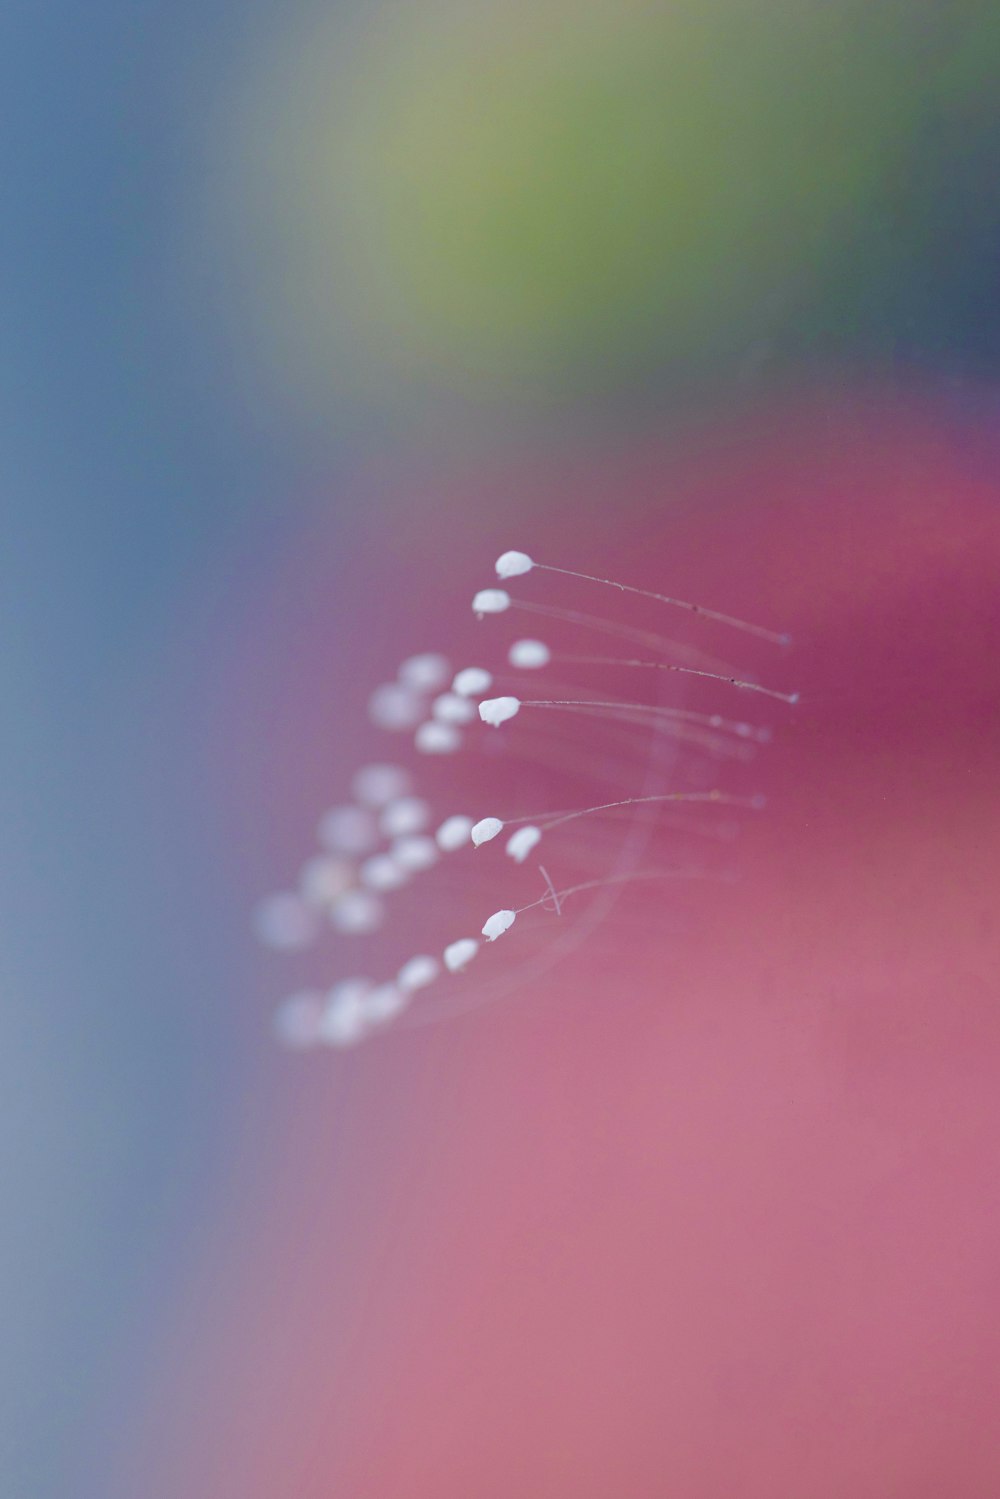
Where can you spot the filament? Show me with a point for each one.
(776, 637)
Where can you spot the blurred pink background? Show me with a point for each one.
(712, 1209)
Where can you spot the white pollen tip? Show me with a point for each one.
(497, 710)
(377, 784)
(403, 815)
(497, 924)
(348, 830)
(471, 681)
(343, 1020)
(529, 655)
(520, 844)
(450, 707)
(395, 707)
(381, 872)
(357, 912)
(458, 954)
(513, 564)
(485, 829)
(425, 673)
(385, 1003)
(324, 878)
(436, 738)
(414, 853)
(418, 973)
(490, 601)
(454, 832)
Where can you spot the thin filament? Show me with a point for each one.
(776, 637)
(613, 627)
(688, 671)
(546, 821)
(685, 715)
(553, 892)
(615, 879)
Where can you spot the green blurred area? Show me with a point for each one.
(560, 197)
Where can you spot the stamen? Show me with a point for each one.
(324, 878)
(498, 710)
(348, 830)
(490, 601)
(425, 673)
(385, 1003)
(414, 854)
(344, 1019)
(334, 885)
(436, 738)
(553, 892)
(513, 564)
(471, 681)
(418, 973)
(381, 872)
(450, 707)
(521, 843)
(458, 954)
(527, 837)
(395, 707)
(687, 671)
(377, 784)
(405, 814)
(529, 655)
(648, 639)
(454, 832)
(357, 912)
(502, 921)
(485, 829)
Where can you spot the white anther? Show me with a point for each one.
(520, 844)
(458, 954)
(297, 1019)
(485, 829)
(377, 784)
(497, 924)
(497, 710)
(490, 601)
(406, 814)
(513, 564)
(348, 830)
(425, 673)
(418, 973)
(434, 738)
(454, 832)
(385, 1003)
(529, 655)
(450, 708)
(381, 872)
(471, 681)
(357, 912)
(324, 879)
(394, 707)
(286, 922)
(343, 1021)
(414, 853)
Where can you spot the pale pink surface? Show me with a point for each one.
(725, 1220)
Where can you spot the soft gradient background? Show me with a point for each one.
(308, 315)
